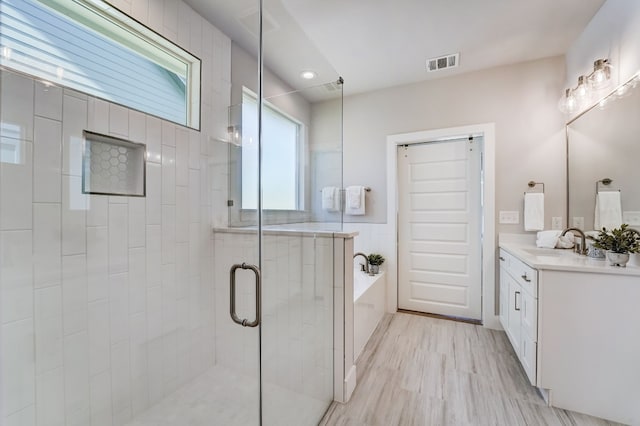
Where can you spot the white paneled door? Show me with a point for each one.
(439, 228)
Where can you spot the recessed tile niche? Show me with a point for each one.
(112, 166)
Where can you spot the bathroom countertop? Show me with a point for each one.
(295, 229)
(564, 260)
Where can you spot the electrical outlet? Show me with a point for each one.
(631, 217)
(577, 222)
(509, 217)
(556, 222)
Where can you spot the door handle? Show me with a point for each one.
(232, 300)
(515, 301)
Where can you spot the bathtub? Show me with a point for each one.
(369, 305)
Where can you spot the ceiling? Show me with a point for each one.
(375, 44)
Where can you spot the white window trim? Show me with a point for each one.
(105, 19)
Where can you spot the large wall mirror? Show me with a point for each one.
(603, 154)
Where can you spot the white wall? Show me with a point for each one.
(108, 302)
(614, 33)
(520, 99)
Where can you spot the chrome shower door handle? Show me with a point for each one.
(232, 305)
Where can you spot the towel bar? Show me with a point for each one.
(366, 188)
(605, 182)
(532, 184)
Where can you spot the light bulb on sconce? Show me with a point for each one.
(568, 103)
(582, 92)
(580, 96)
(601, 75)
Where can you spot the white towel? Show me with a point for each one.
(608, 212)
(547, 239)
(355, 201)
(331, 199)
(533, 211)
(566, 242)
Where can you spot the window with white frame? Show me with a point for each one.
(281, 147)
(90, 46)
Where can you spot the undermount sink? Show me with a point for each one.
(547, 252)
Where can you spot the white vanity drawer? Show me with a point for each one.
(505, 259)
(525, 275)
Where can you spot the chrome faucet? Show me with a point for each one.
(583, 243)
(366, 259)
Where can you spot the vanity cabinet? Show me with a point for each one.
(519, 310)
(574, 325)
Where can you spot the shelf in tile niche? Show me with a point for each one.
(113, 166)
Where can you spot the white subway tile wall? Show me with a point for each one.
(107, 302)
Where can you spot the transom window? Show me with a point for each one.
(94, 48)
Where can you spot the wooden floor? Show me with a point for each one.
(417, 370)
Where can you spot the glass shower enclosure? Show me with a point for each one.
(209, 300)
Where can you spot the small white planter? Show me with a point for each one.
(617, 259)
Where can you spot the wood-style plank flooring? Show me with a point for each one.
(418, 370)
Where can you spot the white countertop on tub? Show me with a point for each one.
(292, 229)
(524, 248)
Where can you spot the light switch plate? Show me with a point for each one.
(509, 217)
(556, 222)
(577, 222)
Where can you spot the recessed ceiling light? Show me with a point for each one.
(308, 75)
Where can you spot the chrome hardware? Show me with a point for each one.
(524, 277)
(366, 259)
(515, 300)
(582, 247)
(232, 308)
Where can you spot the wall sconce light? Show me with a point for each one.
(580, 96)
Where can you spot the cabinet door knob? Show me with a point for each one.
(524, 277)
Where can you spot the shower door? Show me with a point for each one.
(275, 259)
(275, 262)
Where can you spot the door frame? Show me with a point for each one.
(487, 131)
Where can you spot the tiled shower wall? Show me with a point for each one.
(107, 303)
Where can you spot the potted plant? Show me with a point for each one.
(618, 243)
(375, 260)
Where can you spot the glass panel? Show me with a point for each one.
(116, 310)
(298, 265)
(298, 245)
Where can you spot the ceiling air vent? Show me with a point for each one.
(443, 62)
(331, 87)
